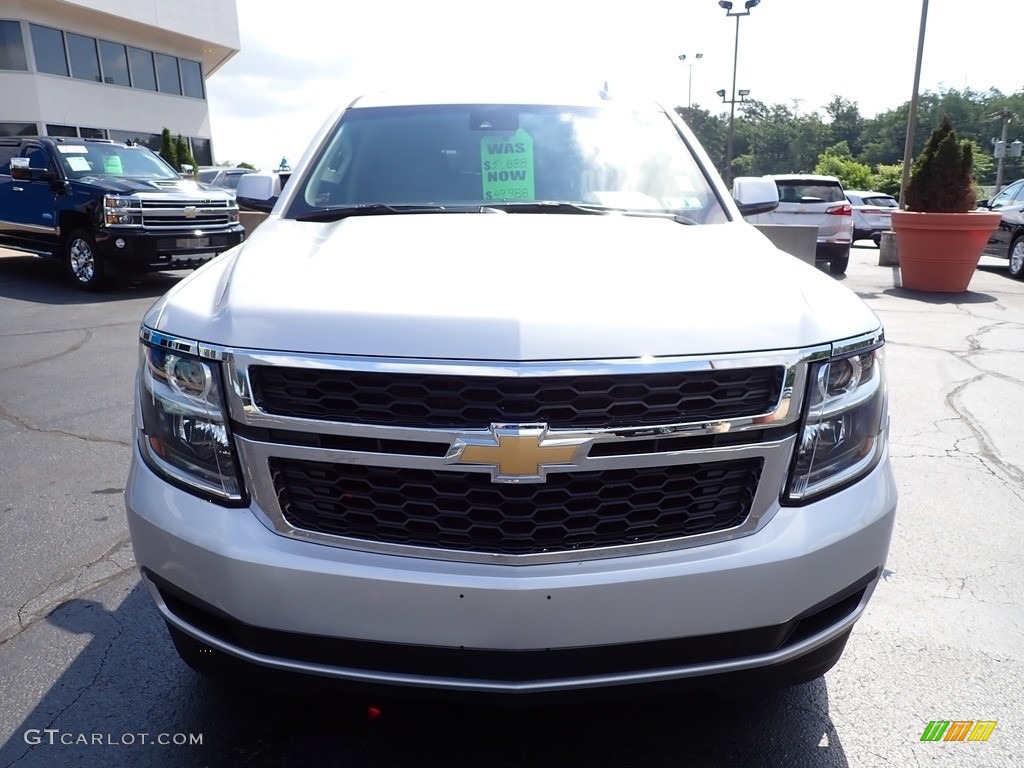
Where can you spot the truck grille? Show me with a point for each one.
(171, 214)
(473, 402)
(465, 511)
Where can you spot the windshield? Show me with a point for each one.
(488, 155)
(80, 160)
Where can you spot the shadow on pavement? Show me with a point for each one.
(127, 681)
(42, 281)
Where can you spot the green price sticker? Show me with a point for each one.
(112, 164)
(506, 166)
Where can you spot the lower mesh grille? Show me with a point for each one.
(465, 511)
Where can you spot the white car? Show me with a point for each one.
(872, 214)
(504, 397)
(817, 201)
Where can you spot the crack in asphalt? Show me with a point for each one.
(52, 596)
(20, 422)
(82, 686)
(86, 338)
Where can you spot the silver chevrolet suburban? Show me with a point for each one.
(504, 397)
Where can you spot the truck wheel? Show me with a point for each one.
(838, 266)
(1017, 258)
(83, 264)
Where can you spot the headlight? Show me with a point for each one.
(118, 209)
(184, 434)
(843, 433)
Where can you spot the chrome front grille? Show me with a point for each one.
(372, 454)
(189, 214)
(475, 402)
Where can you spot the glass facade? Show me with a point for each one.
(85, 65)
(12, 47)
(115, 63)
(143, 72)
(61, 130)
(18, 129)
(48, 44)
(167, 78)
(191, 78)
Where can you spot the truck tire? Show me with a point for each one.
(83, 264)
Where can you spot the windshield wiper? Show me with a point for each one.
(555, 206)
(338, 212)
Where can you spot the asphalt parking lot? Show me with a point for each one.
(89, 677)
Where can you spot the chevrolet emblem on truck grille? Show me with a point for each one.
(516, 453)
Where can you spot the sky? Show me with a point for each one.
(300, 60)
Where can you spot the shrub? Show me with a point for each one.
(940, 180)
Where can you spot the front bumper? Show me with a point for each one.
(772, 598)
(142, 251)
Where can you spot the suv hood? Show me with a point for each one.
(509, 287)
(167, 187)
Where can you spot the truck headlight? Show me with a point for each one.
(184, 433)
(843, 433)
(117, 209)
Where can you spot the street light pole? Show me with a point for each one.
(689, 93)
(727, 5)
(908, 146)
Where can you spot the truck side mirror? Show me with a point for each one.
(258, 191)
(754, 195)
(21, 171)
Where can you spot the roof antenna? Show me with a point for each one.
(604, 93)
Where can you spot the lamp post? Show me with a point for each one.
(908, 145)
(689, 93)
(727, 5)
(743, 93)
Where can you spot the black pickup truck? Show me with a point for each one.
(105, 207)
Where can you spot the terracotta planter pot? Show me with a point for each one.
(940, 251)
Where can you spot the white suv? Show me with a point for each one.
(505, 397)
(817, 201)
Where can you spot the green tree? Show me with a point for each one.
(250, 166)
(836, 161)
(167, 150)
(183, 154)
(711, 131)
(846, 122)
(887, 178)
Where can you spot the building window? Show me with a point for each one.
(202, 151)
(18, 129)
(48, 45)
(143, 74)
(115, 63)
(61, 130)
(167, 74)
(149, 140)
(191, 78)
(12, 47)
(92, 133)
(84, 63)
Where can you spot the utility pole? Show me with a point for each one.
(908, 147)
(1004, 117)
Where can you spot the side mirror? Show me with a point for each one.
(983, 204)
(258, 191)
(21, 171)
(754, 195)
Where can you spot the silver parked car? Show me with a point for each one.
(872, 214)
(504, 397)
(818, 201)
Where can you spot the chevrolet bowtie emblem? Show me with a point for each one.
(190, 211)
(516, 453)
